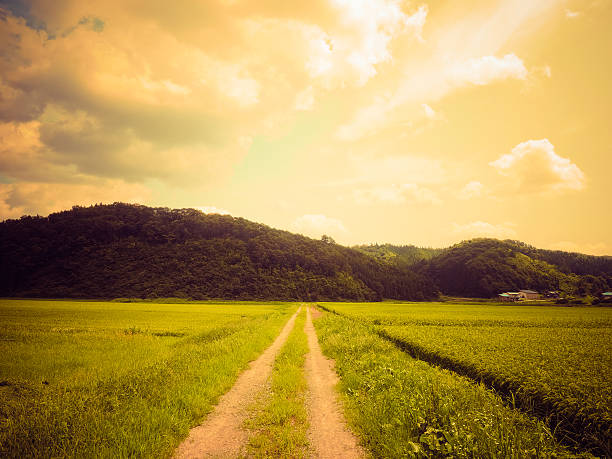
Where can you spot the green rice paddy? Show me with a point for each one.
(113, 379)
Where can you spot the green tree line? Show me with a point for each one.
(123, 250)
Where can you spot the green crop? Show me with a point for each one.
(403, 407)
(553, 362)
(101, 379)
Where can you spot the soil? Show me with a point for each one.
(328, 434)
(222, 433)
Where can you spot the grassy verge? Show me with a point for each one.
(103, 379)
(280, 420)
(402, 407)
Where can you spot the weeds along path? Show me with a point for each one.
(222, 433)
(328, 434)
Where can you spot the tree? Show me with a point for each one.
(327, 239)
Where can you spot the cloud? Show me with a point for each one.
(484, 229)
(446, 78)
(572, 14)
(212, 210)
(464, 54)
(471, 190)
(429, 112)
(316, 225)
(304, 100)
(368, 27)
(396, 194)
(487, 69)
(99, 101)
(534, 166)
(23, 198)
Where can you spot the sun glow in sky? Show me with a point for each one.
(409, 122)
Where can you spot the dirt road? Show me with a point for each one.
(222, 434)
(328, 435)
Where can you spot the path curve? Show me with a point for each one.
(222, 433)
(328, 434)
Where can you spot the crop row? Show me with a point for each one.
(561, 374)
(403, 407)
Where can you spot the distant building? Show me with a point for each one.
(510, 296)
(530, 294)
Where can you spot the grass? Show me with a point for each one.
(553, 362)
(280, 420)
(403, 407)
(102, 379)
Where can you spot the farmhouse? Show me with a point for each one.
(510, 296)
(530, 294)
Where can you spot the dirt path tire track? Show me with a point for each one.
(222, 433)
(328, 434)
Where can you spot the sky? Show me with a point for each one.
(371, 121)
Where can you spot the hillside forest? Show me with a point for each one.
(134, 251)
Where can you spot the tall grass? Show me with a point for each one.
(101, 379)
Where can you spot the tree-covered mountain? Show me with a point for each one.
(123, 250)
(400, 255)
(486, 267)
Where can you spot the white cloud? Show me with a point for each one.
(235, 84)
(443, 79)
(212, 210)
(305, 99)
(534, 166)
(484, 229)
(26, 197)
(165, 85)
(366, 121)
(487, 69)
(396, 194)
(316, 225)
(572, 14)
(429, 112)
(349, 54)
(471, 190)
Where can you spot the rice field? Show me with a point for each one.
(554, 363)
(115, 379)
(104, 379)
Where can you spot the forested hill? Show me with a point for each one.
(122, 250)
(486, 267)
(400, 255)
